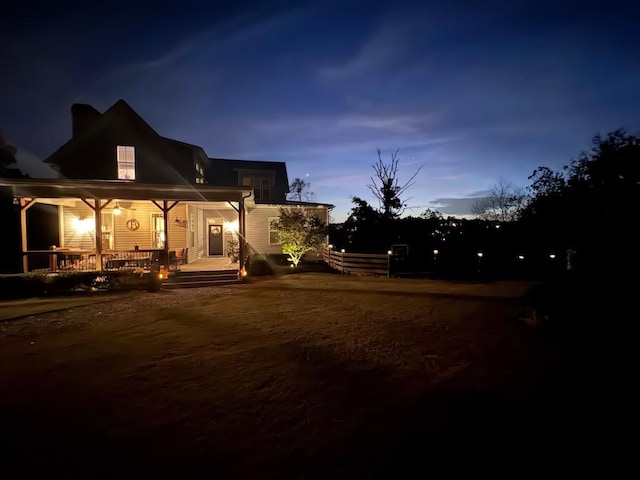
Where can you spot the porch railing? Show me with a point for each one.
(67, 259)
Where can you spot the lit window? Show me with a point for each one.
(199, 173)
(157, 230)
(273, 232)
(126, 163)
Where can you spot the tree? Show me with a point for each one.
(503, 204)
(590, 205)
(299, 232)
(386, 188)
(300, 190)
(8, 162)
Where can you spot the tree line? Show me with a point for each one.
(578, 217)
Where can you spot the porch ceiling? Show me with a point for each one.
(57, 188)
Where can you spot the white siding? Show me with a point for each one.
(124, 238)
(258, 226)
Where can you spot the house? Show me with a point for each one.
(126, 193)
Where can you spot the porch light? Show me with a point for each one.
(552, 256)
(389, 252)
(82, 225)
(117, 210)
(342, 250)
(231, 226)
(436, 252)
(480, 254)
(521, 257)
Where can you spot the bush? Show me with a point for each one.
(45, 283)
(258, 265)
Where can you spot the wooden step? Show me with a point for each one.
(206, 278)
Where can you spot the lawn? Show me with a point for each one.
(300, 376)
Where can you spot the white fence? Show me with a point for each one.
(370, 263)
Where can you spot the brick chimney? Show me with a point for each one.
(82, 115)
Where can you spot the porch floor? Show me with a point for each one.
(212, 263)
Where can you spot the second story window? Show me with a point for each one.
(261, 186)
(199, 173)
(126, 163)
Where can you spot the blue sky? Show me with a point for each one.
(471, 91)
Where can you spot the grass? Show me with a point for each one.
(300, 376)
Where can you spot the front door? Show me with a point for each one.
(215, 240)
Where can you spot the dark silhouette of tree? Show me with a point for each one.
(10, 239)
(300, 190)
(386, 188)
(8, 162)
(503, 204)
(588, 206)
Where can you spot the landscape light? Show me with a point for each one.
(521, 257)
(435, 252)
(480, 254)
(552, 256)
(497, 226)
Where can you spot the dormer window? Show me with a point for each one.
(261, 186)
(199, 173)
(126, 163)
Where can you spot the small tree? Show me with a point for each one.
(299, 232)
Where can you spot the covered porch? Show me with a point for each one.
(112, 225)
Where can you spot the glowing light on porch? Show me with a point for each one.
(231, 226)
(389, 252)
(83, 225)
(117, 210)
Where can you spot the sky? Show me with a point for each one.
(468, 92)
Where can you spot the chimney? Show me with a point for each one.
(82, 116)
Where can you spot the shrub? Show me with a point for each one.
(258, 265)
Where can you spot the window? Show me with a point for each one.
(157, 230)
(126, 163)
(199, 173)
(192, 229)
(107, 230)
(273, 232)
(261, 186)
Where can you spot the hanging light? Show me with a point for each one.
(117, 210)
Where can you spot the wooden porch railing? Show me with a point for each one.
(347, 262)
(68, 259)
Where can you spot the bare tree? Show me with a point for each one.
(386, 188)
(504, 203)
(300, 190)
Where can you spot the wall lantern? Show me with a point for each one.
(117, 210)
(180, 223)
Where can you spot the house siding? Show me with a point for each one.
(124, 239)
(258, 226)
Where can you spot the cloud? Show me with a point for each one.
(455, 206)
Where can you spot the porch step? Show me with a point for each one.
(202, 279)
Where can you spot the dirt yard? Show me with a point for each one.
(301, 376)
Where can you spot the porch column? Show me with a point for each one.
(166, 208)
(24, 206)
(97, 215)
(241, 234)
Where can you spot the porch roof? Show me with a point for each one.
(65, 188)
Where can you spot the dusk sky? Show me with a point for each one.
(471, 91)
